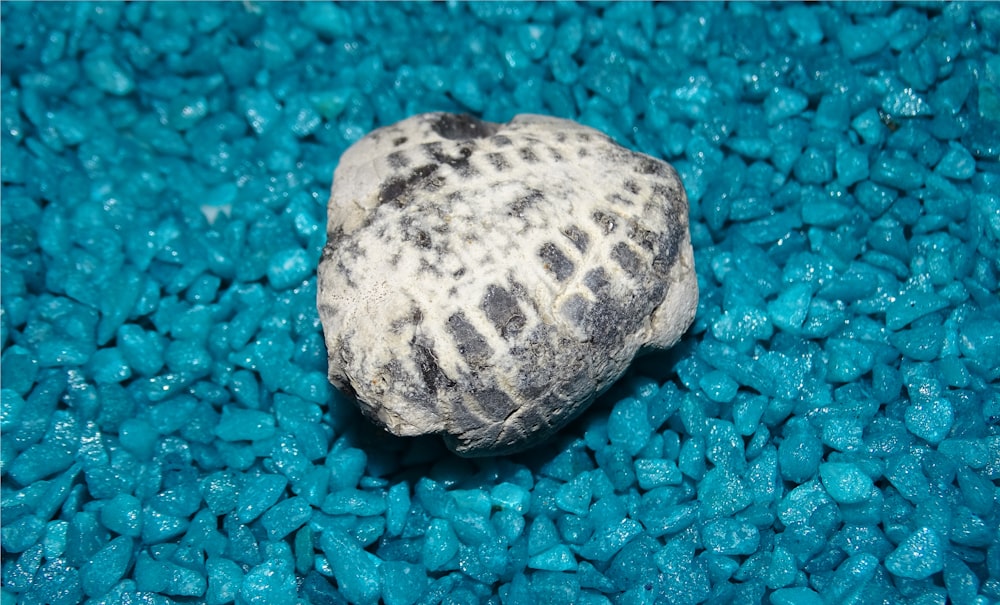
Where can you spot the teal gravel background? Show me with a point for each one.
(828, 432)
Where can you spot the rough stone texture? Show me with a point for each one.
(486, 281)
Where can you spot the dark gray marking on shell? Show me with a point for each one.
(459, 163)
(498, 161)
(470, 343)
(597, 281)
(394, 189)
(555, 261)
(627, 259)
(494, 402)
(329, 250)
(413, 233)
(651, 166)
(526, 200)
(399, 141)
(433, 376)
(605, 322)
(501, 140)
(502, 310)
(398, 159)
(464, 419)
(618, 199)
(432, 184)
(421, 239)
(533, 419)
(579, 238)
(575, 309)
(574, 384)
(605, 220)
(528, 155)
(644, 237)
(462, 126)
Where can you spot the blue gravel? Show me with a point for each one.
(828, 431)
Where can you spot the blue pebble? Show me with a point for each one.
(628, 425)
(781, 572)
(237, 424)
(931, 420)
(356, 502)
(899, 172)
(869, 126)
(285, 517)
(906, 103)
(906, 475)
(845, 482)
(40, 461)
(356, 571)
(912, 305)
(397, 508)
(848, 360)
(188, 357)
(608, 539)
(224, 580)
(919, 556)
(921, 343)
(109, 366)
(123, 515)
(440, 544)
(574, 497)
(542, 536)
(814, 167)
(106, 567)
(21, 534)
(346, 465)
(288, 268)
(799, 455)
(11, 405)
(328, 20)
(557, 558)
(260, 109)
(957, 164)
(510, 497)
(257, 495)
(784, 103)
(61, 585)
(402, 583)
(141, 349)
(18, 370)
(107, 74)
(857, 41)
(273, 582)
(167, 578)
(467, 91)
(833, 112)
(565, 69)
(652, 473)
(730, 537)
(851, 166)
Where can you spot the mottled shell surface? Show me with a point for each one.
(486, 282)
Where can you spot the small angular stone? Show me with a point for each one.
(486, 281)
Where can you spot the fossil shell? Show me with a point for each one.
(486, 282)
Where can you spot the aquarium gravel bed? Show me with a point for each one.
(828, 431)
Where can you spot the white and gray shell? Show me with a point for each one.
(486, 282)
